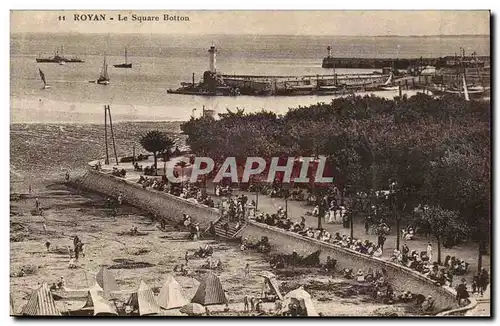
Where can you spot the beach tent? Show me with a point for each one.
(171, 294)
(97, 303)
(143, 300)
(106, 281)
(301, 297)
(210, 291)
(271, 283)
(41, 303)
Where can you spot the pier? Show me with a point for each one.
(215, 83)
(472, 61)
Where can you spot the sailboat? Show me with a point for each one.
(124, 65)
(42, 76)
(104, 77)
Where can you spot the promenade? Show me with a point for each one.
(296, 209)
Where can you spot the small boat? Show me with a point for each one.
(104, 77)
(124, 65)
(62, 63)
(389, 84)
(42, 76)
(390, 88)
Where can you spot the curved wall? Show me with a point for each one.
(158, 203)
(171, 208)
(401, 277)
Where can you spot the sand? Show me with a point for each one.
(68, 213)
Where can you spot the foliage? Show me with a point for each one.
(156, 142)
(437, 150)
(443, 223)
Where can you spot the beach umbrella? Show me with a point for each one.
(193, 309)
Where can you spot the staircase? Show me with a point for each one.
(221, 233)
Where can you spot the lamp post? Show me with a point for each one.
(287, 195)
(392, 194)
(133, 154)
(256, 202)
(352, 212)
(321, 211)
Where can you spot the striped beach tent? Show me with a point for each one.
(106, 281)
(210, 291)
(271, 283)
(171, 294)
(143, 300)
(41, 303)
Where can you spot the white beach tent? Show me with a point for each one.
(171, 294)
(301, 297)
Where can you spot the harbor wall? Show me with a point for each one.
(171, 208)
(160, 204)
(401, 278)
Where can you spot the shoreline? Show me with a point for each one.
(41, 108)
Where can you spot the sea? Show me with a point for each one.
(162, 62)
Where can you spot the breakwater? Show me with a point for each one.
(170, 207)
(401, 63)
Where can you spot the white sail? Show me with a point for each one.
(466, 91)
(389, 80)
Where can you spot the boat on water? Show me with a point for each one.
(59, 58)
(42, 76)
(126, 64)
(103, 77)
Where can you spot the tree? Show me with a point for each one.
(443, 224)
(154, 142)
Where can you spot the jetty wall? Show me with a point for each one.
(171, 208)
(159, 204)
(401, 277)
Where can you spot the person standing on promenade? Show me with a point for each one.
(381, 241)
(429, 252)
(483, 281)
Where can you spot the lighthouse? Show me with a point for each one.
(329, 48)
(213, 53)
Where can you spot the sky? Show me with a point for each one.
(352, 23)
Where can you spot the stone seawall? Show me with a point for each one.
(171, 208)
(158, 203)
(402, 278)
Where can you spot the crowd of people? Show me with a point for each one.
(236, 209)
(186, 191)
(121, 173)
(421, 262)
